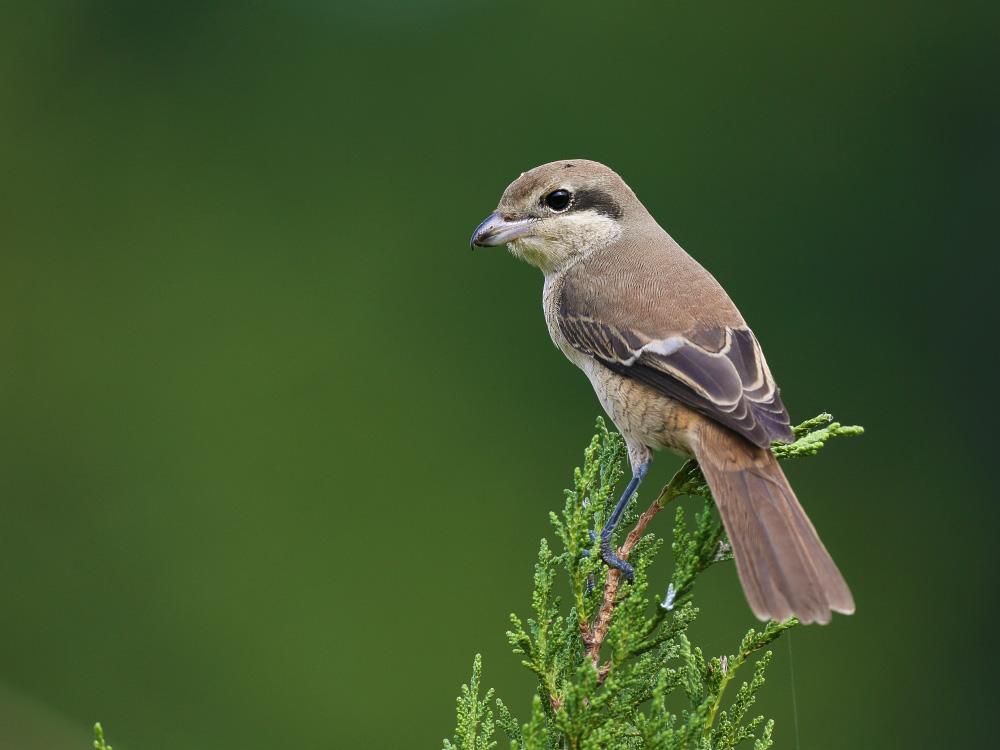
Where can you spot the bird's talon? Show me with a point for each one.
(613, 561)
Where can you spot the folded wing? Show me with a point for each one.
(719, 372)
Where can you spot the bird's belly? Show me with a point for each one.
(641, 414)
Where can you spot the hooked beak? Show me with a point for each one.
(496, 230)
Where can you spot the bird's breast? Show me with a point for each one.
(642, 415)
(550, 306)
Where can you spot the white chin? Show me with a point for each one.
(568, 237)
(535, 251)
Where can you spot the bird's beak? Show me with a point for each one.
(496, 230)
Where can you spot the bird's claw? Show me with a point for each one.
(610, 559)
(613, 561)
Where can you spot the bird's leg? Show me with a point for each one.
(607, 550)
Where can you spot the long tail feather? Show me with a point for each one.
(783, 566)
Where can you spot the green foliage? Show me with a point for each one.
(614, 670)
(475, 727)
(812, 435)
(99, 743)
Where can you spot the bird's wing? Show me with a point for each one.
(718, 371)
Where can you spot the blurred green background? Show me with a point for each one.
(277, 448)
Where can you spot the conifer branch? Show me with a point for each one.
(595, 632)
(606, 665)
(584, 703)
(99, 742)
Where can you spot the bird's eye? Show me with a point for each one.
(558, 200)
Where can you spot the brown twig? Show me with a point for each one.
(598, 630)
(594, 635)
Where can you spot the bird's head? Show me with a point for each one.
(558, 212)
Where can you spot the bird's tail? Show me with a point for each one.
(783, 566)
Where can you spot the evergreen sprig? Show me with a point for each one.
(475, 727)
(99, 742)
(612, 666)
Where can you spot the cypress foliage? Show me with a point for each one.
(608, 662)
(99, 742)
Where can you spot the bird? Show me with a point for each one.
(674, 365)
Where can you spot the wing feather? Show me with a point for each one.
(732, 385)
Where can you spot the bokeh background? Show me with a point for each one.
(277, 448)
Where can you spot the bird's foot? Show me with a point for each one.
(610, 559)
(613, 561)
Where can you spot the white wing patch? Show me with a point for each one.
(663, 347)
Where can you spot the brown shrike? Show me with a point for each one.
(674, 365)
